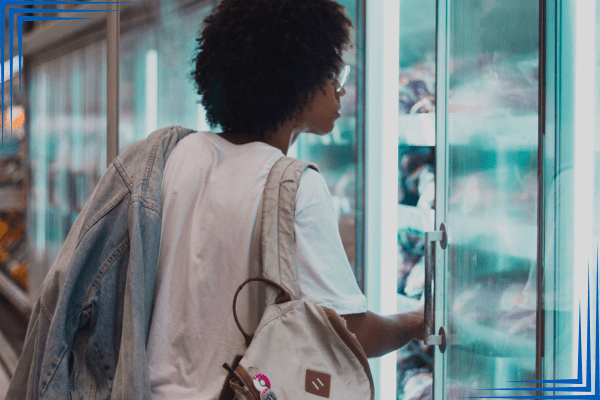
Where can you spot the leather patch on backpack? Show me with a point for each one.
(317, 383)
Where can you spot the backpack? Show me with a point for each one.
(299, 350)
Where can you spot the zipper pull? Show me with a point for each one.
(228, 368)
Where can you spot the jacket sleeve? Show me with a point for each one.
(23, 383)
(131, 381)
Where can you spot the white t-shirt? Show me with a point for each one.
(212, 190)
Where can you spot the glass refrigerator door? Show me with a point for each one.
(156, 87)
(338, 153)
(487, 142)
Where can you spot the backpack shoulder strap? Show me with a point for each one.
(277, 223)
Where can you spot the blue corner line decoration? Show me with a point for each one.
(586, 391)
(20, 20)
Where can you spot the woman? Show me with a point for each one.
(266, 71)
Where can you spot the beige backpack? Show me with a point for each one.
(299, 350)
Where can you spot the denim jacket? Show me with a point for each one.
(87, 333)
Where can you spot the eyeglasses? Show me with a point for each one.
(341, 79)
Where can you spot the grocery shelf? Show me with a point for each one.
(13, 207)
(419, 218)
(15, 294)
(4, 180)
(11, 170)
(494, 133)
(501, 132)
(12, 157)
(11, 197)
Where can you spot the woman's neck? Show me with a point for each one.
(282, 139)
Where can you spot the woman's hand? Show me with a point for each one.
(380, 335)
(417, 318)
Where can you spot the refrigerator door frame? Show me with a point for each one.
(382, 36)
(441, 190)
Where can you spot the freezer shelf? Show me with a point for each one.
(416, 129)
(501, 133)
(419, 218)
(499, 235)
(490, 342)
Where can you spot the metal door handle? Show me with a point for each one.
(430, 338)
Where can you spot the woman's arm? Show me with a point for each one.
(380, 335)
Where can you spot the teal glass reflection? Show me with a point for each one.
(155, 88)
(337, 154)
(67, 139)
(492, 131)
(177, 32)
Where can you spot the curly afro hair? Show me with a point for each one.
(260, 62)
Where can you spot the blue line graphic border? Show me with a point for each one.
(586, 390)
(22, 18)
